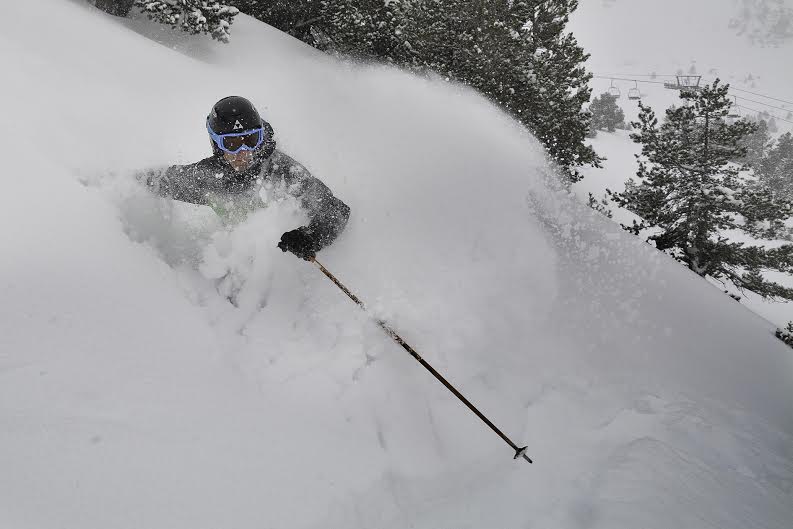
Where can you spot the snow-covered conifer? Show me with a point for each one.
(757, 144)
(689, 194)
(362, 28)
(606, 113)
(119, 8)
(552, 105)
(192, 16)
(764, 22)
(775, 169)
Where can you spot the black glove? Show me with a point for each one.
(299, 242)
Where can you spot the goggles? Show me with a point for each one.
(234, 142)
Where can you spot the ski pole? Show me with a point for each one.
(519, 451)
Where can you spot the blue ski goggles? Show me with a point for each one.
(234, 142)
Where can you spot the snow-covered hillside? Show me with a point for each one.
(132, 394)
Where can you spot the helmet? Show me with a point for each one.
(234, 114)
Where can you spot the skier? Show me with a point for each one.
(244, 162)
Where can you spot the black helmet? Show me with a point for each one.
(236, 114)
(233, 114)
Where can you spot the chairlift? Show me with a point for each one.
(614, 90)
(634, 94)
(685, 83)
(734, 114)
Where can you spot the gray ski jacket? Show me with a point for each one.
(233, 195)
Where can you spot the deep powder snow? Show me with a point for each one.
(133, 394)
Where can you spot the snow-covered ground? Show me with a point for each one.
(132, 394)
(632, 39)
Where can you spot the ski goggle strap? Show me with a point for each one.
(234, 142)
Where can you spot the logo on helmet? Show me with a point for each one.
(237, 125)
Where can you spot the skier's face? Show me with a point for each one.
(240, 161)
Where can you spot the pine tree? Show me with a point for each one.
(757, 144)
(553, 110)
(361, 28)
(689, 194)
(606, 114)
(765, 22)
(776, 168)
(119, 8)
(476, 42)
(192, 16)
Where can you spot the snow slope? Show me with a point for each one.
(132, 394)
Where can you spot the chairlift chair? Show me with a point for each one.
(614, 90)
(734, 114)
(634, 94)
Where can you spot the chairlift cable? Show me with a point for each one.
(761, 112)
(641, 75)
(625, 79)
(761, 95)
(764, 104)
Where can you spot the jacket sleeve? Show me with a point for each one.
(179, 182)
(328, 215)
